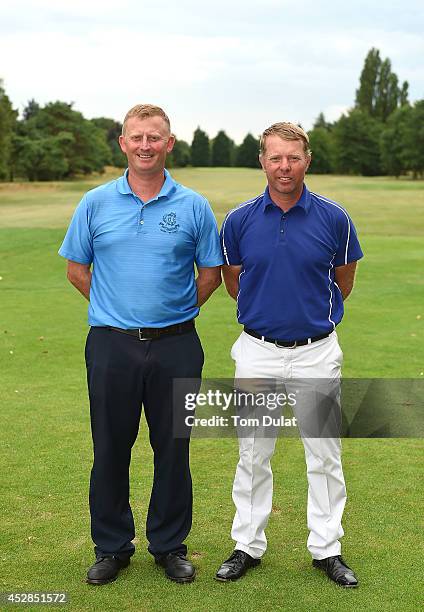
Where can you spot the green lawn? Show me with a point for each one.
(46, 445)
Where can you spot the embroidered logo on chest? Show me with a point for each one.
(169, 223)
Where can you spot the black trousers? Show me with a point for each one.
(123, 373)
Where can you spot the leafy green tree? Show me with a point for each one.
(31, 109)
(413, 140)
(403, 96)
(86, 151)
(200, 151)
(321, 122)
(387, 92)
(91, 152)
(357, 144)
(222, 147)
(402, 141)
(42, 159)
(113, 130)
(392, 143)
(379, 93)
(180, 156)
(321, 143)
(7, 127)
(365, 95)
(248, 152)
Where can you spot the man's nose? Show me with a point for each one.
(144, 142)
(285, 163)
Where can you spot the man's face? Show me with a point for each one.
(146, 143)
(285, 164)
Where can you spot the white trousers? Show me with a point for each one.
(253, 482)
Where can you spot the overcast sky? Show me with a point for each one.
(237, 65)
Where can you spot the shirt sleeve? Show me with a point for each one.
(78, 243)
(230, 240)
(208, 251)
(349, 249)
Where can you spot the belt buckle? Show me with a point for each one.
(294, 345)
(140, 335)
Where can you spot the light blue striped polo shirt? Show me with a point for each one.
(143, 253)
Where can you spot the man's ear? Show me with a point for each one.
(170, 144)
(308, 163)
(122, 143)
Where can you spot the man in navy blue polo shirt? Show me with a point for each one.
(131, 247)
(290, 258)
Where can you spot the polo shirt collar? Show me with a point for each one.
(303, 202)
(168, 186)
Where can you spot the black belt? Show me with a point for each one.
(152, 333)
(286, 343)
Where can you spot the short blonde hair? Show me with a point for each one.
(286, 131)
(142, 111)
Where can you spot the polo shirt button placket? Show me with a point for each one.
(283, 228)
(141, 219)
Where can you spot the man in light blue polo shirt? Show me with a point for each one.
(290, 258)
(131, 248)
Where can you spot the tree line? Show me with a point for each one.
(55, 142)
(381, 134)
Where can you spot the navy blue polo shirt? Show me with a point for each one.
(286, 285)
(143, 253)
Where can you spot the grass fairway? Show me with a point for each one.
(45, 441)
